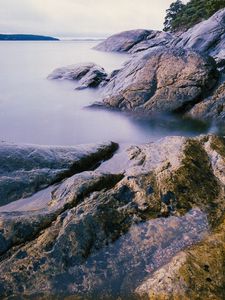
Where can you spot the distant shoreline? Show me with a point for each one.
(26, 37)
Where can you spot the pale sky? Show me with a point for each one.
(80, 17)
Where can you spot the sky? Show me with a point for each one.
(71, 18)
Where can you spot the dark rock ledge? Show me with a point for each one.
(26, 169)
(154, 231)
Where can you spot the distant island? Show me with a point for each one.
(26, 37)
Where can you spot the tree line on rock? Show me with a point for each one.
(182, 16)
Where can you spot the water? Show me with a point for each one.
(36, 110)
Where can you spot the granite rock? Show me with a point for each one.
(161, 80)
(87, 74)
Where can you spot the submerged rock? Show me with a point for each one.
(103, 236)
(26, 169)
(88, 75)
(161, 80)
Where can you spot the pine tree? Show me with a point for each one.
(171, 14)
(182, 17)
(213, 6)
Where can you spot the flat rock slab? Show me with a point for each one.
(26, 169)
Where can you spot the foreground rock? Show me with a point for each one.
(207, 37)
(104, 236)
(161, 80)
(134, 41)
(26, 169)
(87, 75)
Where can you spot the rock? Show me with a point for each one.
(207, 37)
(161, 80)
(211, 109)
(103, 236)
(88, 75)
(197, 273)
(157, 38)
(123, 41)
(134, 41)
(26, 169)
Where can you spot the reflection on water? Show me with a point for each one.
(117, 269)
(36, 110)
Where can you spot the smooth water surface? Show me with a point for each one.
(40, 111)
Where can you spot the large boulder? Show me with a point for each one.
(133, 41)
(105, 236)
(26, 169)
(86, 74)
(207, 37)
(161, 80)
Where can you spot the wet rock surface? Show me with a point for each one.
(108, 235)
(87, 75)
(26, 169)
(161, 80)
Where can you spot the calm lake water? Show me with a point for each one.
(36, 110)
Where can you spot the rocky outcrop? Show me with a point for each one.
(155, 39)
(103, 236)
(161, 80)
(87, 75)
(207, 37)
(26, 169)
(134, 41)
(123, 41)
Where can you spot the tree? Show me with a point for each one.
(213, 6)
(182, 17)
(172, 13)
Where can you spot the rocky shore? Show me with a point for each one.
(134, 233)
(148, 222)
(166, 73)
